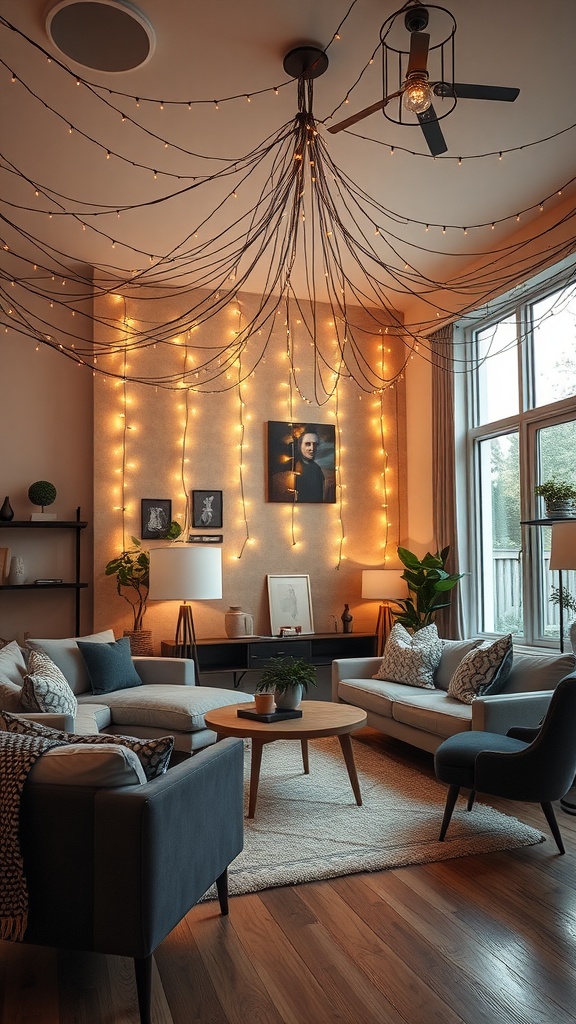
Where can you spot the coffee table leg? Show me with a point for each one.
(346, 745)
(305, 761)
(254, 776)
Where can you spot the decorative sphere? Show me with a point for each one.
(42, 493)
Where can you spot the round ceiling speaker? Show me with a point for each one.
(105, 35)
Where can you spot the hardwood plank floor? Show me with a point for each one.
(476, 940)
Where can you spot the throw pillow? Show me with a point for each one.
(66, 655)
(12, 664)
(452, 653)
(483, 671)
(411, 658)
(45, 689)
(153, 754)
(109, 666)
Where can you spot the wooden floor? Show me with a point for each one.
(481, 940)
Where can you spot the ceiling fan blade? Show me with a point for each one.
(432, 132)
(354, 118)
(485, 92)
(418, 59)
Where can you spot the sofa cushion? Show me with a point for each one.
(66, 655)
(483, 671)
(12, 664)
(538, 672)
(411, 658)
(153, 754)
(452, 653)
(437, 714)
(10, 697)
(89, 764)
(45, 688)
(377, 695)
(172, 707)
(109, 665)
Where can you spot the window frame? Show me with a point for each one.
(527, 422)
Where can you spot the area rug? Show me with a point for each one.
(308, 827)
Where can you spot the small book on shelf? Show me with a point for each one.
(280, 715)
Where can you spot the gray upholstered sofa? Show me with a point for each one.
(426, 717)
(167, 702)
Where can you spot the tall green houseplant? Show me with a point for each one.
(428, 585)
(132, 571)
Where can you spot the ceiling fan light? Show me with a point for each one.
(417, 95)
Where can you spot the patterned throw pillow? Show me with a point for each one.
(153, 754)
(483, 671)
(45, 689)
(411, 658)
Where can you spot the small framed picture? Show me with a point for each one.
(290, 605)
(206, 538)
(207, 510)
(156, 517)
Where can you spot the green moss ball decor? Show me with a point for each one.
(42, 493)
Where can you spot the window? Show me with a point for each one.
(521, 432)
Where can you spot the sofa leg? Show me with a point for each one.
(471, 799)
(551, 819)
(450, 804)
(143, 971)
(222, 887)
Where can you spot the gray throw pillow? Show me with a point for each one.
(153, 754)
(452, 653)
(411, 658)
(483, 671)
(109, 666)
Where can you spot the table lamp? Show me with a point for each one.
(562, 557)
(384, 585)
(180, 573)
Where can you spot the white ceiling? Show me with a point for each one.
(224, 48)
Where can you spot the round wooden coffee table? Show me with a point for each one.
(319, 718)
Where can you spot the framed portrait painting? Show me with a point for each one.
(290, 604)
(207, 510)
(301, 462)
(156, 516)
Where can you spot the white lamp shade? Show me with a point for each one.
(563, 547)
(180, 573)
(383, 584)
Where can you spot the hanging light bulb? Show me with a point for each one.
(417, 93)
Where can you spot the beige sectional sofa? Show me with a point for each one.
(167, 702)
(426, 717)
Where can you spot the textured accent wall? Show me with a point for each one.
(152, 442)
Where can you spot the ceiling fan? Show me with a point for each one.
(416, 92)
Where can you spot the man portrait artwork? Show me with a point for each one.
(301, 462)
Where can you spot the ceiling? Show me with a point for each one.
(212, 51)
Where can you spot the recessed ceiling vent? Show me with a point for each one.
(105, 35)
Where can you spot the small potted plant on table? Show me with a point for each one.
(289, 678)
(559, 498)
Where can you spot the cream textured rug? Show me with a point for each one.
(308, 827)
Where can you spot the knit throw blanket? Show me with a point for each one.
(18, 754)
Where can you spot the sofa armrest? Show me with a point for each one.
(352, 668)
(175, 671)
(500, 712)
(158, 848)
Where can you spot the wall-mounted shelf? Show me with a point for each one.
(52, 524)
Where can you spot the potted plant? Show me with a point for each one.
(559, 498)
(428, 584)
(42, 493)
(567, 603)
(132, 571)
(289, 678)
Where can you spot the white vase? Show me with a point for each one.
(238, 623)
(289, 699)
(17, 574)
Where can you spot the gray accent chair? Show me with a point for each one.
(527, 764)
(115, 870)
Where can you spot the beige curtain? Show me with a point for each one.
(449, 620)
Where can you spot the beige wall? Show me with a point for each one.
(153, 452)
(45, 434)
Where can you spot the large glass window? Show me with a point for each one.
(522, 432)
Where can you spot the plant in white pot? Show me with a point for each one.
(559, 498)
(289, 678)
